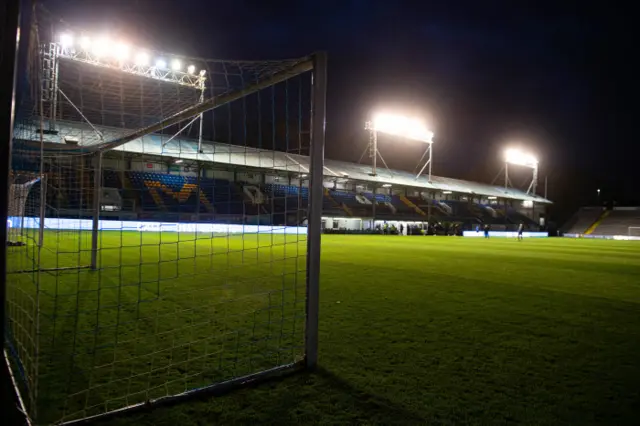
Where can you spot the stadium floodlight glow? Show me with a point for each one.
(142, 59)
(202, 73)
(386, 185)
(179, 161)
(191, 69)
(66, 40)
(176, 65)
(122, 52)
(161, 64)
(516, 156)
(406, 127)
(447, 192)
(492, 197)
(85, 43)
(521, 158)
(101, 47)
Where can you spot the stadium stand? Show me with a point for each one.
(582, 220)
(515, 217)
(164, 195)
(618, 221)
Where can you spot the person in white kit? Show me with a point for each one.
(520, 230)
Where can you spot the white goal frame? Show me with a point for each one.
(633, 227)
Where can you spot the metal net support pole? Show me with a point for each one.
(97, 188)
(43, 201)
(534, 183)
(374, 151)
(430, 160)
(316, 160)
(506, 175)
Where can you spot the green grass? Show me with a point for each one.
(413, 330)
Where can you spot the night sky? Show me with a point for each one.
(559, 80)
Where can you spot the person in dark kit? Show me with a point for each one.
(520, 231)
(486, 231)
(401, 229)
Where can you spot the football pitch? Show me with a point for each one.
(413, 330)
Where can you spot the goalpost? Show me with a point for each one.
(18, 195)
(151, 276)
(634, 231)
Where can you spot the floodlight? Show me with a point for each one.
(516, 156)
(492, 197)
(142, 59)
(161, 64)
(101, 47)
(202, 73)
(386, 185)
(179, 161)
(85, 43)
(66, 40)
(191, 69)
(447, 192)
(176, 65)
(410, 128)
(122, 52)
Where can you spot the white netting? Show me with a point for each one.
(157, 275)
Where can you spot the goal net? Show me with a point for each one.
(169, 210)
(634, 231)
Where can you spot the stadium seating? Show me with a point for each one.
(401, 207)
(438, 209)
(582, 220)
(462, 210)
(618, 221)
(515, 216)
(287, 198)
(111, 179)
(350, 203)
(172, 196)
(384, 208)
(177, 194)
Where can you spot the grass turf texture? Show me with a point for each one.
(413, 330)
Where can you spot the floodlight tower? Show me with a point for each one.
(404, 127)
(517, 157)
(115, 55)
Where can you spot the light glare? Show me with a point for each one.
(176, 65)
(161, 64)
(122, 51)
(66, 40)
(142, 59)
(411, 128)
(191, 69)
(101, 47)
(85, 43)
(516, 156)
